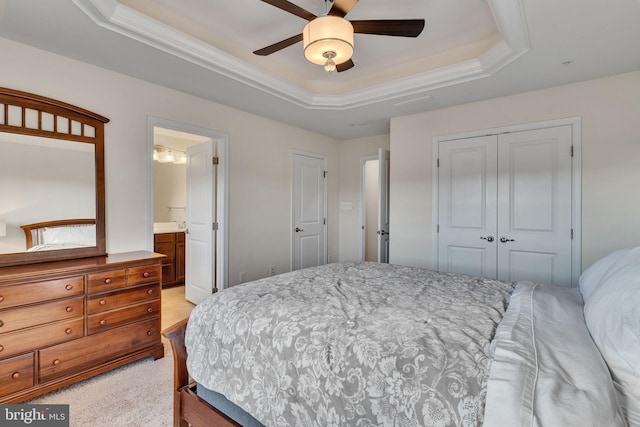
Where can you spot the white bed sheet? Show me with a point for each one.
(546, 370)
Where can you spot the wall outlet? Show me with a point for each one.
(242, 277)
(273, 270)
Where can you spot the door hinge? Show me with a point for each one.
(216, 160)
(214, 226)
(572, 151)
(324, 174)
(324, 221)
(438, 228)
(437, 163)
(572, 234)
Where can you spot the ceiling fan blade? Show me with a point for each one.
(292, 8)
(390, 27)
(342, 7)
(347, 65)
(279, 46)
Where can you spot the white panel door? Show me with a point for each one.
(383, 205)
(467, 206)
(309, 228)
(200, 217)
(505, 206)
(534, 210)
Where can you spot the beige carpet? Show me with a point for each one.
(136, 395)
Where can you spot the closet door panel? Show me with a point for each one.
(467, 206)
(534, 205)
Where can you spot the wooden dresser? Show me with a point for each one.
(173, 267)
(62, 322)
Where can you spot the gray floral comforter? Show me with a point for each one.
(351, 344)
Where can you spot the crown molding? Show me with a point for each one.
(508, 14)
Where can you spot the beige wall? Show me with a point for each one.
(610, 112)
(259, 155)
(260, 159)
(351, 153)
(169, 191)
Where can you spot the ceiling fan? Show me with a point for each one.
(328, 40)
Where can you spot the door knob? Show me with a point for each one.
(488, 238)
(382, 232)
(505, 240)
(298, 230)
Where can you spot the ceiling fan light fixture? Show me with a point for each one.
(328, 34)
(329, 65)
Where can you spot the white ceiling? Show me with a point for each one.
(470, 50)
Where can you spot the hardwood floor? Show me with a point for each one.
(174, 306)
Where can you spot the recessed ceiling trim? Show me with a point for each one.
(508, 14)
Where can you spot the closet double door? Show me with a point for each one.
(504, 206)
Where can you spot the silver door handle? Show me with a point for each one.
(298, 230)
(488, 238)
(382, 232)
(505, 240)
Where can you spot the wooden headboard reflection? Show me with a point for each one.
(33, 232)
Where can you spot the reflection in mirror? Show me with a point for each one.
(43, 180)
(52, 196)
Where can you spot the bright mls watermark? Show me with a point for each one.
(34, 415)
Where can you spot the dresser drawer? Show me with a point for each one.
(107, 281)
(40, 336)
(145, 274)
(113, 300)
(38, 314)
(16, 374)
(11, 296)
(92, 350)
(112, 319)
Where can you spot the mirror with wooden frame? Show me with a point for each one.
(52, 196)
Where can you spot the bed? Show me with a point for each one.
(367, 344)
(60, 234)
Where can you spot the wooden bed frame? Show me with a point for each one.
(30, 228)
(188, 407)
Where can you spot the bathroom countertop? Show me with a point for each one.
(168, 227)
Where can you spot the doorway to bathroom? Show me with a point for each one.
(188, 205)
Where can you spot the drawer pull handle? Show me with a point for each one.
(146, 274)
(69, 309)
(103, 301)
(56, 362)
(1, 347)
(103, 322)
(150, 310)
(15, 375)
(150, 291)
(1, 323)
(68, 331)
(149, 333)
(107, 281)
(68, 287)
(1, 298)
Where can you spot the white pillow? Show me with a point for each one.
(590, 278)
(81, 236)
(612, 314)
